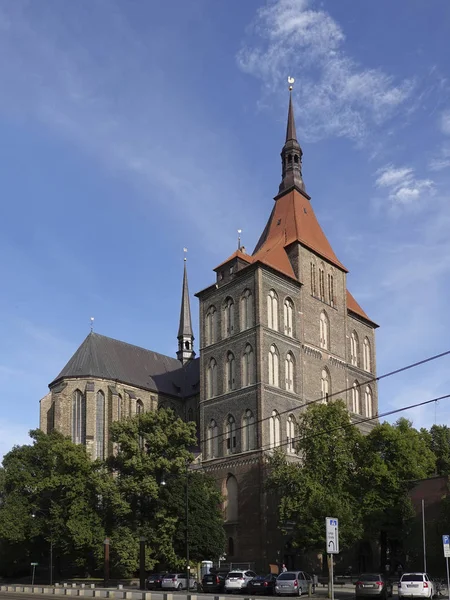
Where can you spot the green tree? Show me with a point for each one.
(151, 447)
(324, 483)
(438, 441)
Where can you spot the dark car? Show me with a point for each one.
(373, 584)
(262, 584)
(213, 582)
(154, 581)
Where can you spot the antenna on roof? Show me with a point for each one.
(291, 81)
(92, 324)
(239, 238)
(184, 250)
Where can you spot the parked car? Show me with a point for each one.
(213, 582)
(415, 585)
(154, 581)
(373, 584)
(262, 584)
(176, 581)
(293, 583)
(238, 580)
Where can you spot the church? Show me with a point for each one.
(278, 330)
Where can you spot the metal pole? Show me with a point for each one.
(188, 567)
(51, 562)
(32, 576)
(424, 538)
(142, 562)
(448, 579)
(331, 576)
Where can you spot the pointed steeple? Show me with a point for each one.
(291, 156)
(185, 335)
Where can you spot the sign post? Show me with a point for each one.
(332, 545)
(446, 545)
(34, 565)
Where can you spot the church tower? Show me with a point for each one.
(185, 351)
(279, 331)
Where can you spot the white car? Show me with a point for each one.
(238, 580)
(176, 581)
(415, 585)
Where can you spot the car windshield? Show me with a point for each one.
(233, 574)
(370, 577)
(287, 576)
(170, 575)
(413, 577)
(260, 577)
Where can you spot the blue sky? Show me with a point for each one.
(131, 129)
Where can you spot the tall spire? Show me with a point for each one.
(291, 154)
(185, 335)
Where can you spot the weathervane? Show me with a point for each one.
(184, 250)
(291, 82)
(92, 324)
(239, 238)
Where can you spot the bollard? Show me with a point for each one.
(167, 596)
(92, 586)
(146, 596)
(128, 595)
(64, 584)
(97, 593)
(120, 586)
(310, 589)
(80, 592)
(47, 590)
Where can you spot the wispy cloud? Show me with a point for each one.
(403, 187)
(442, 160)
(338, 95)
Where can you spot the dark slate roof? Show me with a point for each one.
(103, 357)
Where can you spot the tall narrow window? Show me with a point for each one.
(274, 429)
(368, 406)
(288, 317)
(119, 407)
(100, 425)
(331, 299)
(272, 310)
(248, 368)
(354, 349)
(366, 355)
(322, 282)
(325, 386)
(212, 440)
(190, 415)
(291, 427)
(211, 378)
(289, 370)
(356, 406)
(139, 407)
(231, 372)
(313, 279)
(324, 331)
(78, 417)
(231, 512)
(274, 367)
(248, 431)
(230, 434)
(246, 310)
(228, 317)
(210, 325)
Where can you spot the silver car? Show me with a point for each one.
(293, 583)
(238, 580)
(176, 581)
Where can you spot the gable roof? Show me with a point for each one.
(354, 307)
(106, 358)
(292, 220)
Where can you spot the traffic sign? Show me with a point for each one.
(446, 544)
(332, 535)
(34, 564)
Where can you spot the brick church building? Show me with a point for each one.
(278, 330)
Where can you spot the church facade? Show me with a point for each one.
(279, 330)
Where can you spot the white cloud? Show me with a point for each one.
(337, 95)
(403, 187)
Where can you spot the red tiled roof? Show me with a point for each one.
(237, 254)
(355, 308)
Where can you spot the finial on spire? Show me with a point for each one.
(185, 257)
(291, 82)
(239, 238)
(92, 324)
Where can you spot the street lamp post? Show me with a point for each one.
(188, 566)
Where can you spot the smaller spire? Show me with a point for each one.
(291, 154)
(239, 238)
(185, 335)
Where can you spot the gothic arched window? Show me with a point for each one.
(232, 500)
(248, 366)
(78, 417)
(246, 310)
(325, 386)
(230, 434)
(139, 407)
(274, 429)
(356, 405)
(212, 440)
(324, 331)
(274, 367)
(228, 321)
(331, 298)
(100, 425)
(354, 349)
(289, 317)
(322, 282)
(313, 279)
(119, 407)
(210, 325)
(272, 310)
(291, 432)
(368, 405)
(366, 355)
(231, 372)
(290, 372)
(248, 431)
(211, 379)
